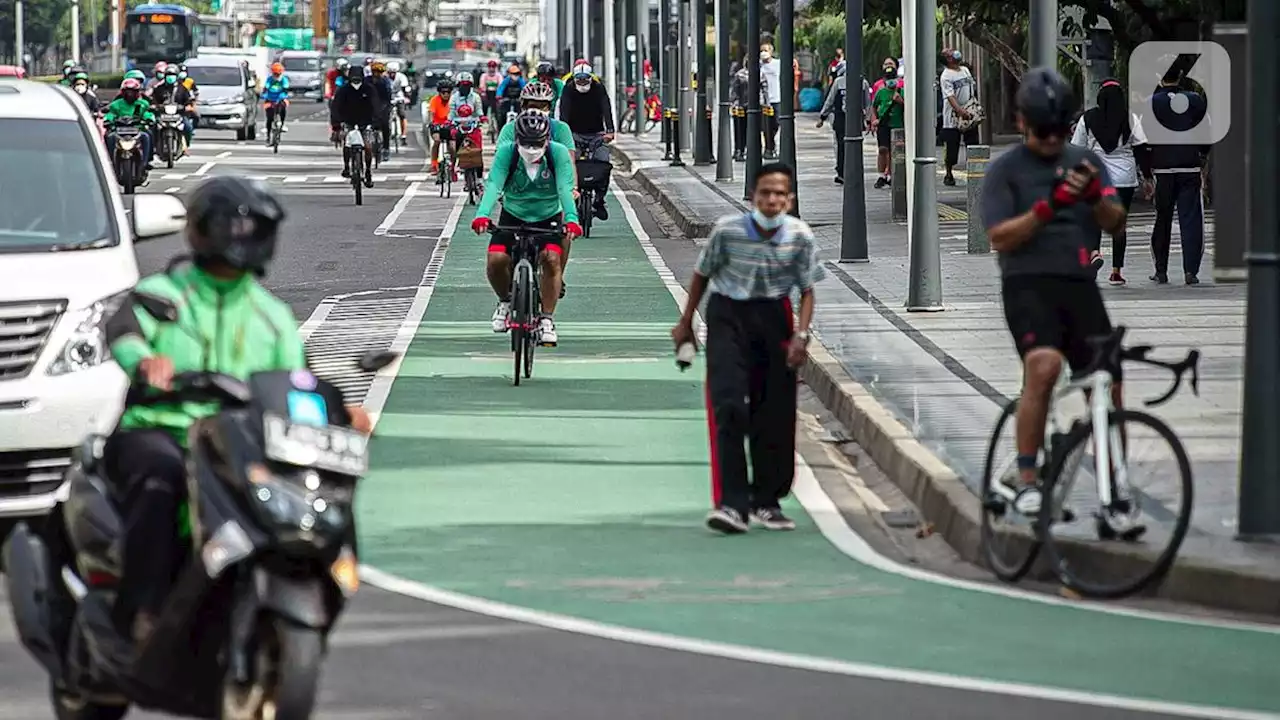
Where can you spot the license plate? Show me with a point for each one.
(168, 118)
(326, 447)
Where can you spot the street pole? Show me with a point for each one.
(665, 71)
(20, 43)
(702, 105)
(610, 75)
(116, 40)
(1259, 504)
(853, 236)
(924, 279)
(724, 144)
(679, 73)
(641, 20)
(787, 115)
(75, 30)
(1043, 27)
(586, 31)
(753, 95)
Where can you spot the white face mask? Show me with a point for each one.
(766, 222)
(81, 88)
(531, 156)
(582, 88)
(356, 85)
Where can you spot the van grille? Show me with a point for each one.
(27, 473)
(24, 328)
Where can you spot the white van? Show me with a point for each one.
(66, 262)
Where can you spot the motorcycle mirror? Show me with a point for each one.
(160, 308)
(375, 360)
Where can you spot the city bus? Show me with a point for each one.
(171, 33)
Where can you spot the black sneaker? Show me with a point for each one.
(368, 181)
(1159, 278)
(346, 173)
(602, 212)
(1191, 279)
(881, 182)
(949, 181)
(726, 520)
(839, 180)
(772, 519)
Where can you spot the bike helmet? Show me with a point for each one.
(546, 68)
(538, 92)
(160, 66)
(355, 74)
(445, 85)
(235, 221)
(1045, 101)
(342, 64)
(533, 129)
(514, 69)
(130, 89)
(277, 69)
(393, 67)
(378, 66)
(465, 77)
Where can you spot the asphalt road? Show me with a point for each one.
(400, 658)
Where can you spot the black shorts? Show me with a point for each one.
(500, 242)
(884, 136)
(1056, 312)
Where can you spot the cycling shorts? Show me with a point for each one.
(1057, 312)
(445, 129)
(500, 242)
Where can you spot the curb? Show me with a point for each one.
(689, 224)
(953, 511)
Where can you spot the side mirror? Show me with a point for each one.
(375, 360)
(157, 214)
(160, 308)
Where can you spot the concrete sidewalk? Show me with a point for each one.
(922, 391)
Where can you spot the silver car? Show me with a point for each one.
(228, 97)
(305, 71)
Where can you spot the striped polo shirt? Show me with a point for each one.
(740, 264)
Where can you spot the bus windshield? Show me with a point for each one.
(147, 41)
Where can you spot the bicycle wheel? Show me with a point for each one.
(357, 176)
(521, 320)
(1133, 512)
(1009, 538)
(534, 313)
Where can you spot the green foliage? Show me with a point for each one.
(104, 81)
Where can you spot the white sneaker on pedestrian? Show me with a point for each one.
(547, 332)
(499, 320)
(284, 128)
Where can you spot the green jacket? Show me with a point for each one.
(545, 196)
(229, 326)
(560, 133)
(887, 111)
(120, 107)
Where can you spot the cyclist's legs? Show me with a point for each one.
(1030, 309)
(271, 114)
(435, 145)
(497, 266)
(283, 108)
(1085, 316)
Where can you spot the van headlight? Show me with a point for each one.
(87, 346)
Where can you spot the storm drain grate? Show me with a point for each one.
(355, 326)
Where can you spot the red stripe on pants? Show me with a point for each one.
(715, 454)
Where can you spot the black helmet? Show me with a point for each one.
(546, 68)
(1045, 100)
(533, 129)
(355, 73)
(443, 85)
(235, 222)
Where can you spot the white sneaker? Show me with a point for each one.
(404, 138)
(499, 320)
(547, 332)
(284, 128)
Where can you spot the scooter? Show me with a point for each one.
(128, 161)
(171, 136)
(272, 561)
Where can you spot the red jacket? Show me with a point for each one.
(330, 81)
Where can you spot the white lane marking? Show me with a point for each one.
(851, 544)
(205, 168)
(396, 211)
(383, 637)
(400, 586)
(296, 179)
(224, 154)
(335, 179)
(174, 176)
(172, 189)
(416, 177)
(317, 318)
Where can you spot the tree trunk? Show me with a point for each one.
(981, 35)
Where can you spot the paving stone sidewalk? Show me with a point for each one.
(947, 375)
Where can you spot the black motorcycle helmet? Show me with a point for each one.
(1045, 102)
(533, 129)
(444, 86)
(233, 220)
(355, 73)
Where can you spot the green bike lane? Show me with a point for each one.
(582, 492)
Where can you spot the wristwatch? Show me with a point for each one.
(803, 336)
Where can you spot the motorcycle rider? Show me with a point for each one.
(68, 69)
(489, 83)
(400, 93)
(368, 65)
(509, 92)
(172, 91)
(80, 84)
(382, 87)
(156, 79)
(240, 329)
(275, 91)
(187, 81)
(355, 104)
(589, 114)
(130, 103)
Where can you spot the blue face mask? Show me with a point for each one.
(766, 222)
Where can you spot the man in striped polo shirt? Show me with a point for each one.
(751, 265)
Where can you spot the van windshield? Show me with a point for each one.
(215, 76)
(54, 196)
(301, 64)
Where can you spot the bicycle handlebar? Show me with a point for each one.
(526, 231)
(1109, 353)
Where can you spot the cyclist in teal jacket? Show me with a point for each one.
(534, 176)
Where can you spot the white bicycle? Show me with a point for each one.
(1018, 520)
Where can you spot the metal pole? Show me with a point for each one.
(20, 43)
(116, 40)
(677, 25)
(753, 95)
(641, 19)
(898, 172)
(75, 30)
(1043, 27)
(724, 140)
(853, 236)
(787, 115)
(702, 106)
(665, 71)
(976, 159)
(924, 280)
(610, 75)
(93, 13)
(585, 22)
(1259, 508)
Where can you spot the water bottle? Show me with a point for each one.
(684, 355)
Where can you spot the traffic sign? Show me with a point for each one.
(282, 7)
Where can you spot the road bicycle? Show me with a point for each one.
(526, 297)
(444, 168)
(1011, 551)
(357, 158)
(277, 127)
(593, 179)
(397, 118)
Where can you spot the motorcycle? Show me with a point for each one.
(129, 162)
(272, 561)
(171, 137)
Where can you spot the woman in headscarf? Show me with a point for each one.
(1115, 134)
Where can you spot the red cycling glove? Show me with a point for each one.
(481, 225)
(573, 228)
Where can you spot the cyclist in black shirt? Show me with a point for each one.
(1042, 202)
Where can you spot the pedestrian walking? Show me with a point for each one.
(959, 110)
(751, 265)
(835, 104)
(831, 67)
(1177, 170)
(887, 105)
(1112, 131)
(738, 89)
(771, 102)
